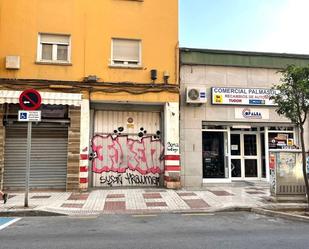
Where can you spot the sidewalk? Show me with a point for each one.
(137, 201)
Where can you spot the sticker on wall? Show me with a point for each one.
(130, 123)
(272, 161)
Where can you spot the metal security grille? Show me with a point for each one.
(48, 156)
(127, 149)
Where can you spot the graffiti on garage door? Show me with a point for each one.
(122, 161)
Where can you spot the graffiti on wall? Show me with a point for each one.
(129, 178)
(121, 153)
(121, 160)
(272, 181)
(172, 147)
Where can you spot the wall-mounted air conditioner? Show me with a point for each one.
(196, 95)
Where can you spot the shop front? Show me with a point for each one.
(240, 151)
(55, 159)
(228, 121)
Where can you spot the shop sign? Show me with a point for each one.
(242, 96)
(251, 113)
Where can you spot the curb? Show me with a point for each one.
(58, 212)
(29, 213)
(261, 211)
(280, 214)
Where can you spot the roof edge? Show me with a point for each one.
(248, 53)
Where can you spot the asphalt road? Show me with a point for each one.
(166, 231)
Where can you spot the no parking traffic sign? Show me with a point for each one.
(30, 100)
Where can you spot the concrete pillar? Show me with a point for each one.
(73, 149)
(171, 145)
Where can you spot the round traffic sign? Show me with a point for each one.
(30, 100)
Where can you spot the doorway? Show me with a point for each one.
(245, 155)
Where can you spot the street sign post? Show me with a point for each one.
(29, 101)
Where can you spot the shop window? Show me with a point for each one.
(126, 52)
(206, 126)
(281, 128)
(53, 48)
(281, 137)
(214, 160)
(277, 140)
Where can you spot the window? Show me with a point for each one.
(282, 137)
(54, 48)
(126, 52)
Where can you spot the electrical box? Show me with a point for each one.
(12, 62)
(286, 174)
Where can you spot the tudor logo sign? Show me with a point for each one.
(247, 113)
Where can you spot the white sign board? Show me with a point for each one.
(26, 116)
(242, 96)
(249, 113)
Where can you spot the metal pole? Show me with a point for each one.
(28, 162)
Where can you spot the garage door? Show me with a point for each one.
(127, 149)
(48, 156)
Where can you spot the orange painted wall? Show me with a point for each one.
(92, 24)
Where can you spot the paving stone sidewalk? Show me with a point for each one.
(113, 201)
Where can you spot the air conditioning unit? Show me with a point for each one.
(196, 95)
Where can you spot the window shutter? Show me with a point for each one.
(55, 39)
(126, 50)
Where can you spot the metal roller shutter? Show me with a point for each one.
(48, 157)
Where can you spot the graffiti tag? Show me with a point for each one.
(129, 179)
(172, 147)
(117, 154)
(142, 179)
(111, 180)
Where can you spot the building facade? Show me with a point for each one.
(228, 124)
(108, 75)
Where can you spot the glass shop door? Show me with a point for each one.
(245, 155)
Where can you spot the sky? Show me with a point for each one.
(248, 25)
